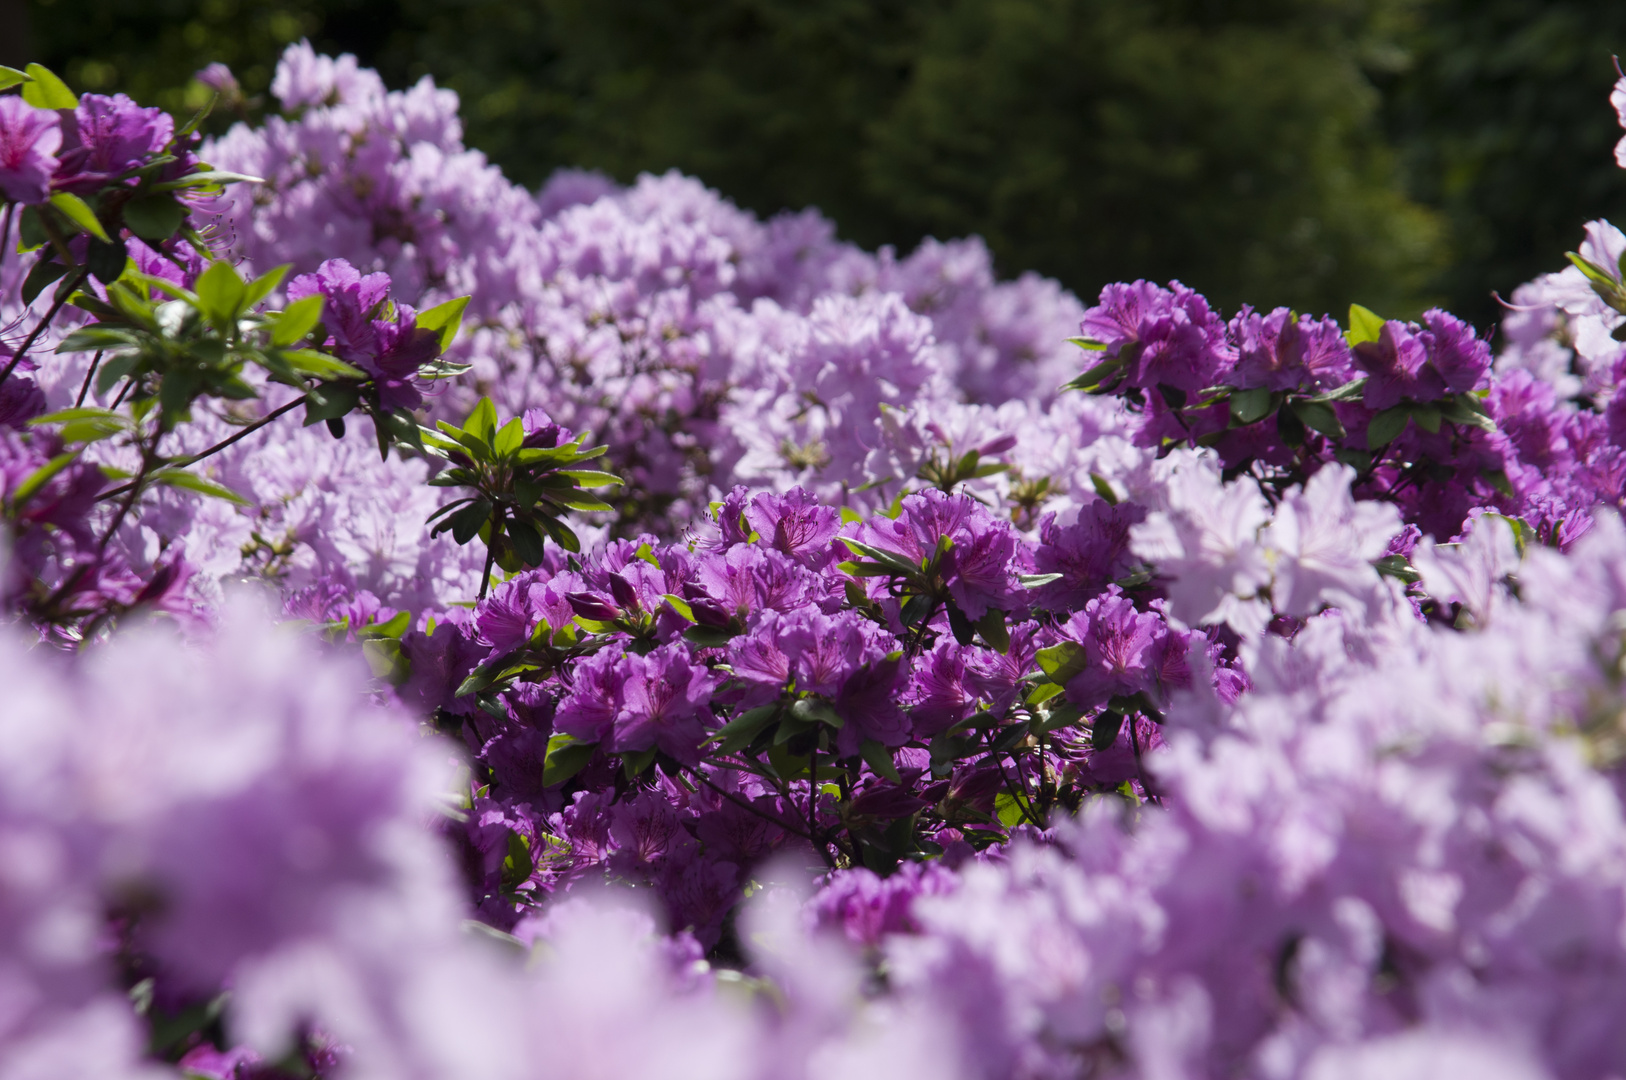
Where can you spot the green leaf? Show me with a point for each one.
(261, 287)
(897, 564)
(444, 319)
(179, 478)
(680, 605)
(79, 212)
(738, 732)
(708, 637)
(86, 424)
(1043, 693)
(40, 477)
(1396, 566)
(1386, 425)
(1594, 273)
(592, 477)
(45, 90)
(637, 762)
(1095, 376)
(527, 541)
(467, 522)
(1427, 417)
(10, 77)
(1033, 581)
(1466, 410)
(209, 177)
(1497, 479)
(1008, 808)
(154, 217)
(1364, 325)
(992, 628)
(319, 365)
(1319, 416)
(879, 759)
(43, 274)
(1086, 343)
(107, 262)
(96, 338)
(1248, 406)
(221, 293)
(1105, 731)
(1103, 488)
(510, 438)
(330, 403)
(1061, 662)
(482, 422)
(816, 710)
(566, 756)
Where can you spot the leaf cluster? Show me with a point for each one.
(519, 492)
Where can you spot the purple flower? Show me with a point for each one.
(391, 349)
(29, 139)
(796, 524)
(1276, 352)
(663, 703)
(1089, 554)
(941, 692)
(1408, 362)
(1166, 337)
(1397, 367)
(589, 710)
(106, 137)
(1125, 650)
(1456, 352)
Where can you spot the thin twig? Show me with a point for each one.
(181, 463)
(5, 232)
(743, 805)
(491, 555)
(89, 375)
(56, 306)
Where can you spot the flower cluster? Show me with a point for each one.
(871, 704)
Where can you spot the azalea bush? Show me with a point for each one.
(457, 630)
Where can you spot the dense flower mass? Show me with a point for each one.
(676, 644)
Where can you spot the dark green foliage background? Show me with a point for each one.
(1304, 152)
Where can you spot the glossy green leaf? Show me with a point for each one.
(10, 77)
(1319, 416)
(45, 91)
(1386, 426)
(879, 759)
(740, 731)
(566, 756)
(39, 478)
(179, 478)
(262, 286)
(87, 424)
(154, 217)
(221, 293)
(1364, 325)
(1061, 662)
(444, 319)
(1248, 406)
(79, 212)
(482, 422)
(509, 438)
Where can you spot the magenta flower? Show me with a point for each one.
(663, 703)
(106, 137)
(29, 139)
(390, 350)
(1274, 352)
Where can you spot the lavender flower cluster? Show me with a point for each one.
(677, 644)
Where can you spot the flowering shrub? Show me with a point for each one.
(804, 676)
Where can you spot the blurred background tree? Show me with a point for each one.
(1304, 152)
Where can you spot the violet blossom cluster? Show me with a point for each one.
(1257, 712)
